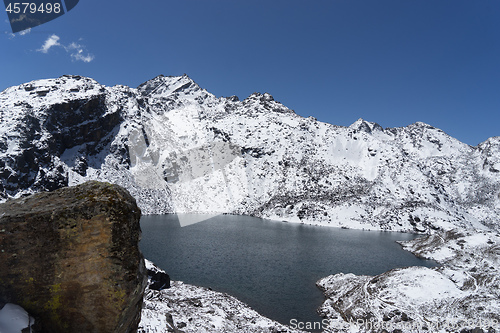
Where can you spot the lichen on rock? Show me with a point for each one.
(71, 258)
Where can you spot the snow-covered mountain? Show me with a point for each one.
(178, 148)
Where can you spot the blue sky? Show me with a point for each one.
(394, 62)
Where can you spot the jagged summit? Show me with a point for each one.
(267, 97)
(167, 85)
(265, 103)
(365, 126)
(421, 124)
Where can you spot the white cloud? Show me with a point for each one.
(20, 33)
(80, 56)
(21, 18)
(77, 51)
(73, 46)
(25, 32)
(50, 42)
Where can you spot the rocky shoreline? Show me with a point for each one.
(461, 295)
(185, 308)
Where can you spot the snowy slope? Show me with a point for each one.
(461, 295)
(177, 147)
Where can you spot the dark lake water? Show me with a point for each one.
(272, 266)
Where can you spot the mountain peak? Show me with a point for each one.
(265, 101)
(265, 97)
(365, 126)
(422, 125)
(166, 85)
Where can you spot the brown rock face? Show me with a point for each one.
(71, 258)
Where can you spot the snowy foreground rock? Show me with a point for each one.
(191, 309)
(14, 319)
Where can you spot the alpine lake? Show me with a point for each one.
(270, 265)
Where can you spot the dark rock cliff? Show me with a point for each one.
(71, 258)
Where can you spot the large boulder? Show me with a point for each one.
(71, 258)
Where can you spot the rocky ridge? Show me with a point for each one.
(178, 148)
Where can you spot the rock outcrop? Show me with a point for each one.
(158, 278)
(71, 258)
